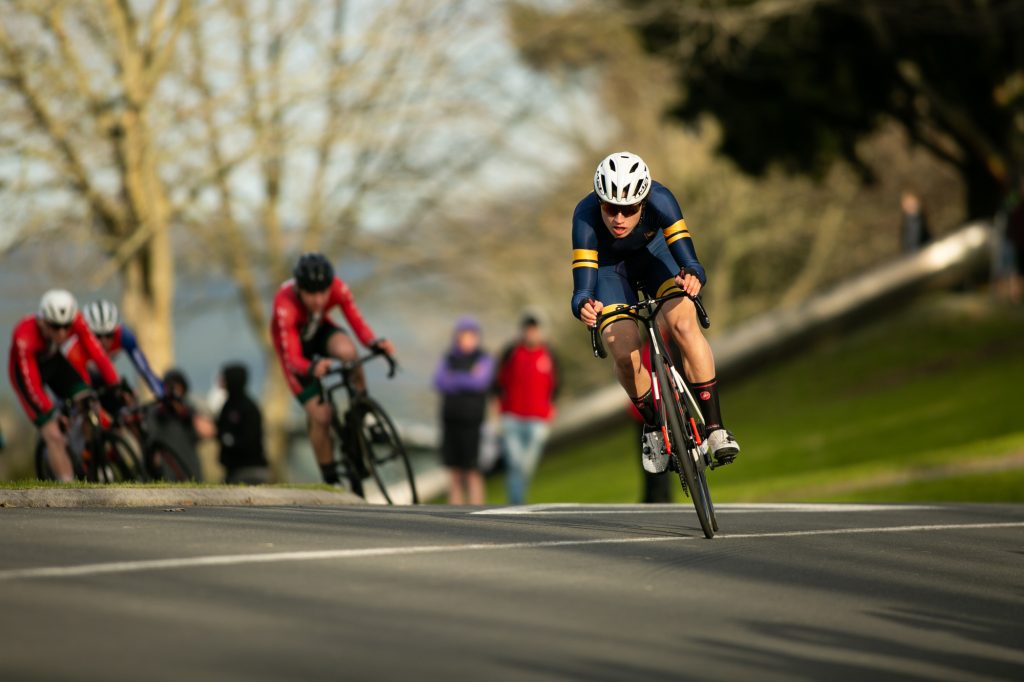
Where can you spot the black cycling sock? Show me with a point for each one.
(707, 398)
(645, 406)
(330, 473)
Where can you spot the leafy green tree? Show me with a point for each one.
(797, 83)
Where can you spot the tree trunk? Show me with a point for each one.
(276, 401)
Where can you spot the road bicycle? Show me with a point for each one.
(99, 452)
(682, 423)
(368, 442)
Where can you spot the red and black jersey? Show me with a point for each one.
(291, 323)
(30, 349)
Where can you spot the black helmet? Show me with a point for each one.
(313, 272)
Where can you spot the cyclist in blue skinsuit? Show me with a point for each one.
(115, 336)
(628, 231)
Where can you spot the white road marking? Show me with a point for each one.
(588, 509)
(274, 557)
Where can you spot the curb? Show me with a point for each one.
(175, 497)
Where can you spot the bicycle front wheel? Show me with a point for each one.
(386, 457)
(681, 445)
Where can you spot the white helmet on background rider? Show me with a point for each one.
(58, 307)
(101, 316)
(622, 179)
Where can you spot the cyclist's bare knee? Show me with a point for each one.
(319, 414)
(51, 434)
(340, 346)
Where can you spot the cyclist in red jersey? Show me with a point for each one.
(36, 362)
(302, 331)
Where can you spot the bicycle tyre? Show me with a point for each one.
(166, 464)
(680, 450)
(349, 468)
(120, 461)
(694, 411)
(379, 440)
(43, 470)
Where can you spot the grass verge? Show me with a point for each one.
(924, 405)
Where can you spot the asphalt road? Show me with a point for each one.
(543, 593)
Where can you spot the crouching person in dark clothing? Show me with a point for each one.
(463, 379)
(240, 431)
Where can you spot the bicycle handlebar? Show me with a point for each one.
(633, 311)
(337, 375)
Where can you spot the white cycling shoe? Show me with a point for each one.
(723, 446)
(653, 453)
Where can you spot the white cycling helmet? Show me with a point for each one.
(58, 307)
(101, 316)
(622, 179)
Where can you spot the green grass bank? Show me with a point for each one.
(926, 404)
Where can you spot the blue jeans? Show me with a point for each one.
(522, 439)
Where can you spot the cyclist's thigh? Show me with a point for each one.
(615, 291)
(318, 411)
(61, 377)
(623, 338)
(339, 345)
(655, 268)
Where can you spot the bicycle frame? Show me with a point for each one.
(369, 441)
(678, 410)
(646, 313)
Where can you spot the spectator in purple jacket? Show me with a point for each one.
(463, 378)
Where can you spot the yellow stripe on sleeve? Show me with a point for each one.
(677, 237)
(676, 231)
(584, 258)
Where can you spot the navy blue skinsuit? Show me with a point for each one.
(608, 269)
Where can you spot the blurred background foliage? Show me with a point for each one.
(438, 148)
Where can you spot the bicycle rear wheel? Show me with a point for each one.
(681, 444)
(117, 461)
(167, 465)
(386, 456)
(349, 466)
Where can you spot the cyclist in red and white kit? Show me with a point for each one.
(35, 363)
(302, 331)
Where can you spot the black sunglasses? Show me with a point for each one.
(55, 326)
(611, 210)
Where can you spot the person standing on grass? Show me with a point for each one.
(240, 430)
(527, 384)
(463, 378)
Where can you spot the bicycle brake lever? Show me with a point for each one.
(595, 342)
(702, 313)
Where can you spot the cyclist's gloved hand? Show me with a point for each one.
(318, 366)
(382, 346)
(589, 312)
(111, 397)
(689, 281)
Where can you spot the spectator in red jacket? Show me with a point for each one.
(527, 383)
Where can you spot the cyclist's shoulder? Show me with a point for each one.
(286, 307)
(26, 333)
(662, 203)
(587, 209)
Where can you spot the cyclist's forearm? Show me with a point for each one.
(685, 255)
